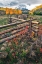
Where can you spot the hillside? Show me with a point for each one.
(37, 8)
(38, 12)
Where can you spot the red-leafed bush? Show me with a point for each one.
(40, 50)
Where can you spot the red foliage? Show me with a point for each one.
(15, 40)
(27, 27)
(19, 33)
(14, 54)
(9, 41)
(23, 31)
(40, 50)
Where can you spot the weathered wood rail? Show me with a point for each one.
(20, 27)
(9, 30)
(22, 21)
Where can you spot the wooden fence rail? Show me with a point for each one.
(19, 29)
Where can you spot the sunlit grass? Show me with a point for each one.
(3, 21)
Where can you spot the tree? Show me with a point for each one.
(36, 8)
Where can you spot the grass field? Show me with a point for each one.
(4, 19)
(18, 53)
(38, 17)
